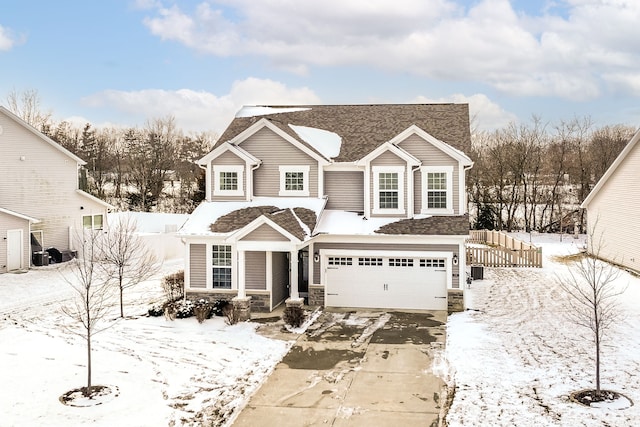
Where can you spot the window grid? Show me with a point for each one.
(221, 266)
(428, 262)
(437, 190)
(340, 261)
(294, 181)
(400, 262)
(388, 190)
(366, 261)
(228, 181)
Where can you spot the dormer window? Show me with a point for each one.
(228, 180)
(388, 190)
(294, 181)
(437, 184)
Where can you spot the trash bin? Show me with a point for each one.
(477, 272)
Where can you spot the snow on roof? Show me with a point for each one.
(325, 142)
(207, 213)
(343, 223)
(256, 110)
(151, 222)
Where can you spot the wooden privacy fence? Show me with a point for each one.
(504, 250)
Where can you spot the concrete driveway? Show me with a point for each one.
(356, 368)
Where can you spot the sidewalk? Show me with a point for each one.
(359, 368)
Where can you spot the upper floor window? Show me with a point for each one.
(294, 181)
(228, 180)
(388, 190)
(437, 184)
(92, 222)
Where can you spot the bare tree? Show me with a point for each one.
(92, 294)
(128, 260)
(593, 291)
(26, 105)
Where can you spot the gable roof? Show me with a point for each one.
(612, 169)
(17, 215)
(236, 150)
(362, 127)
(40, 135)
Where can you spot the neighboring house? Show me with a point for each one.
(347, 205)
(39, 186)
(613, 210)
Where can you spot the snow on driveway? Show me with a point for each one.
(515, 358)
(167, 373)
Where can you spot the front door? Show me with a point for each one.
(14, 250)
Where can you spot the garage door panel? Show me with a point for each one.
(386, 282)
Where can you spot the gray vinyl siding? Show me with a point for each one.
(40, 181)
(387, 159)
(10, 222)
(265, 233)
(429, 155)
(255, 270)
(345, 190)
(228, 159)
(385, 250)
(197, 266)
(280, 275)
(614, 214)
(274, 151)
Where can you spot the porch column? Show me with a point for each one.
(293, 275)
(241, 275)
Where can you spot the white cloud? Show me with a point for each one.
(198, 111)
(484, 113)
(6, 39)
(567, 55)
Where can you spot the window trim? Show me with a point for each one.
(304, 169)
(377, 170)
(425, 171)
(217, 170)
(93, 222)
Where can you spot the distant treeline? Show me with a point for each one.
(534, 176)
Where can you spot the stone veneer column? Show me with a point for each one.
(241, 308)
(294, 302)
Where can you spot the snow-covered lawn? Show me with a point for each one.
(178, 372)
(514, 358)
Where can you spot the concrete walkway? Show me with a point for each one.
(355, 368)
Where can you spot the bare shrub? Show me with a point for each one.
(230, 314)
(294, 316)
(202, 309)
(173, 286)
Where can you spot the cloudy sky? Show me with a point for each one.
(126, 61)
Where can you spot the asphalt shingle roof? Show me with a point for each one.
(443, 225)
(365, 127)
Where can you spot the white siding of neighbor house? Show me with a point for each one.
(228, 159)
(274, 152)
(387, 159)
(197, 266)
(265, 233)
(40, 181)
(430, 155)
(11, 222)
(615, 213)
(255, 270)
(345, 190)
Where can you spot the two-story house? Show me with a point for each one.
(41, 205)
(347, 205)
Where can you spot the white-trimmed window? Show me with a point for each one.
(437, 189)
(221, 262)
(388, 190)
(92, 222)
(228, 180)
(294, 181)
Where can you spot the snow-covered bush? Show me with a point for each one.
(294, 316)
(203, 310)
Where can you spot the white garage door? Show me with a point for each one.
(386, 282)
